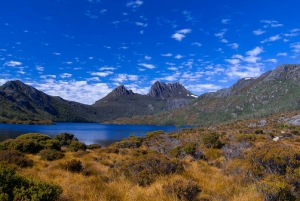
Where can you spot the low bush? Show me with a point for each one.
(93, 146)
(182, 189)
(51, 155)
(15, 157)
(145, 169)
(34, 136)
(51, 144)
(273, 158)
(130, 142)
(73, 166)
(76, 146)
(65, 139)
(245, 137)
(275, 188)
(15, 187)
(212, 140)
(24, 146)
(154, 133)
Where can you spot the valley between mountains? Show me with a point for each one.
(273, 92)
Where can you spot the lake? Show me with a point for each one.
(89, 133)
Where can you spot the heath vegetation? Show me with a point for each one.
(238, 161)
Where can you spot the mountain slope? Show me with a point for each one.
(22, 102)
(273, 92)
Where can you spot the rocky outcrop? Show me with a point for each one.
(165, 91)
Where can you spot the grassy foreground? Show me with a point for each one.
(238, 161)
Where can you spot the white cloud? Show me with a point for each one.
(184, 31)
(12, 63)
(150, 66)
(244, 71)
(180, 34)
(101, 74)
(148, 57)
(73, 90)
(167, 55)
(141, 24)
(48, 76)
(173, 68)
(295, 47)
(107, 68)
(238, 56)
(69, 62)
(233, 61)
(272, 38)
(200, 88)
(225, 21)
(2, 81)
(272, 60)
(39, 68)
(258, 32)
(57, 53)
(178, 56)
(224, 40)
(282, 54)
(271, 23)
(134, 4)
(256, 51)
(234, 45)
(221, 34)
(197, 44)
(65, 75)
(125, 77)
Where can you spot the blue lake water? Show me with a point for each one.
(89, 133)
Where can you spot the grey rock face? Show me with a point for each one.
(295, 120)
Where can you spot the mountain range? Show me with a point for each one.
(273, 92)
(166, 104)
(23, 103)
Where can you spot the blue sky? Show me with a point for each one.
(82, 49)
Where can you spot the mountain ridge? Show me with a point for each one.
(23, 102)
(274, 91)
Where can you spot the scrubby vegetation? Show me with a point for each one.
(238, 161)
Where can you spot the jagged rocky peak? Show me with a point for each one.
(121, 90)
(173, 90)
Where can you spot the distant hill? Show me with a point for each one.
(273, 92)
(23, 103)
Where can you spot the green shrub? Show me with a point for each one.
(15, 157)
(93, 146)
(76, 146)
(130, 142)
(151, 134)
(65, 139)
(24, 146)
(176, 152)
(245, 137)
(51, 144)
(182, 189)
(73, 166)
(34, 136)
(51, 155)
(190, 148)
(212, 140)
(15, 187)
